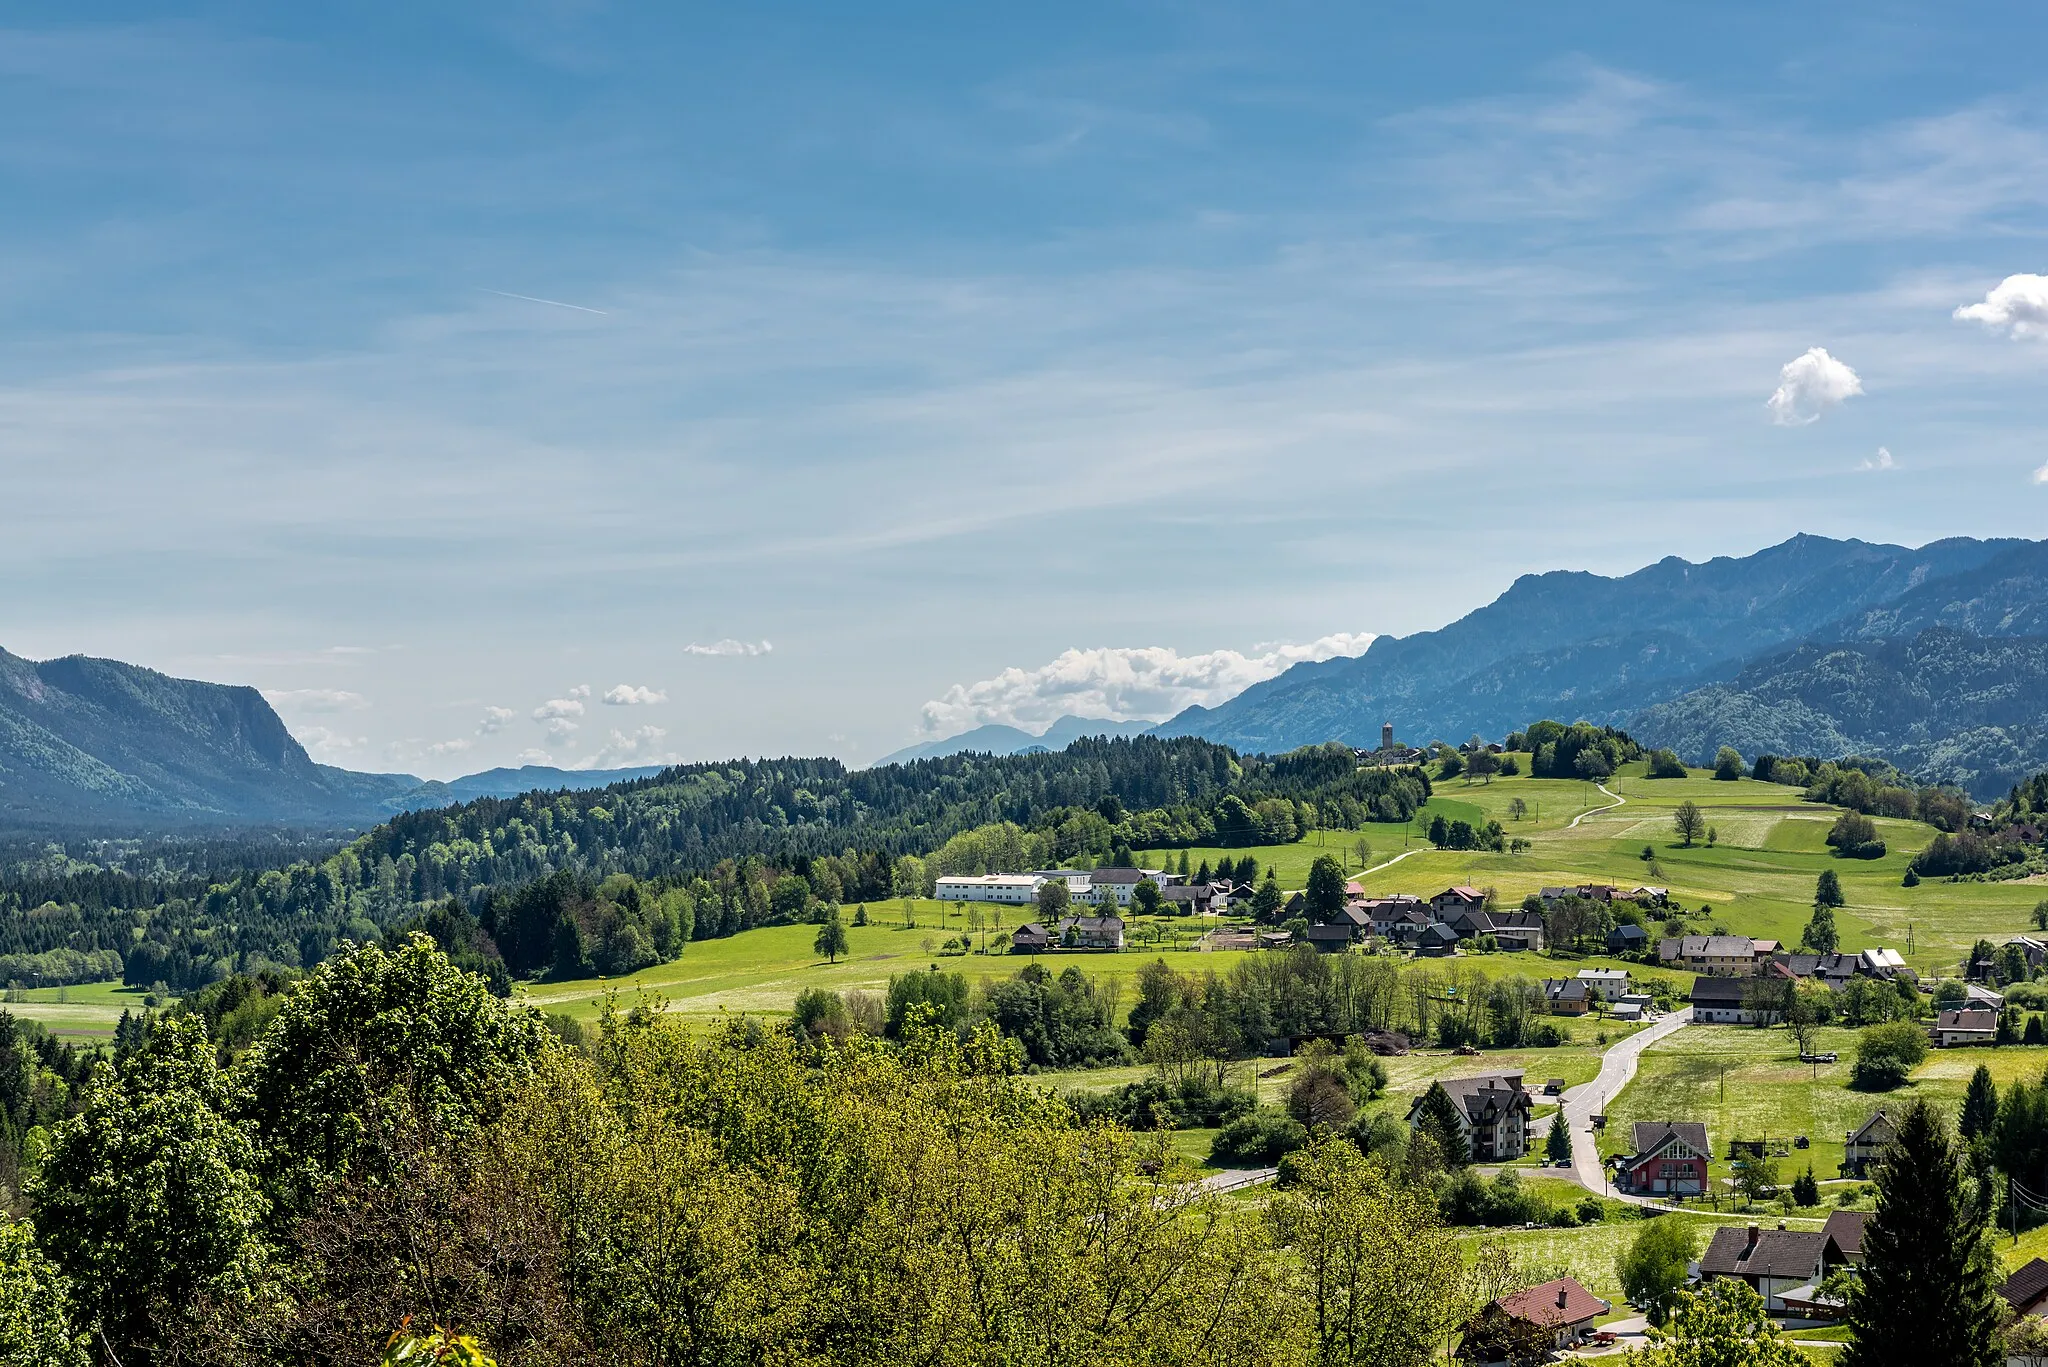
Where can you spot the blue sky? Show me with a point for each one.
(929, 365)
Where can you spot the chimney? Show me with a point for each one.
(1754, 1235)
(1560, 1298)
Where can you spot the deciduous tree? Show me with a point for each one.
(1689, 821)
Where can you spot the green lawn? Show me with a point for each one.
(89, 1009)
(1587, 1253)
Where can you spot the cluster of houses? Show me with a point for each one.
(1594, 988)
(1099, 887)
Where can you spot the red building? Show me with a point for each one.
(1670, 1159)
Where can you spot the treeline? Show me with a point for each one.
(1580, 750)
(615, 879)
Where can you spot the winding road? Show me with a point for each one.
(1619, 801)
(1588, 1099)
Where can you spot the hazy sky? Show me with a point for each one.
(816, 378)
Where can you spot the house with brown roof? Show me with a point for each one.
(1866, 1143)
(1335, 938)
(1457, 899)
(1727, 954)
(2026, 1290)
(1970, 1025)
(1728, 1001)
(1670, 1159)
(1563, 1307)
(1772, 1261)
(1493, 1115)
(1567, 996)
(1518, 929)
(1845, 1227)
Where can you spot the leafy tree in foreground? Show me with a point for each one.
(148, 1200)
(1266, 903)
(1929, 1293)
(1722, 1325)
(1653, 1268)
(1439, 1120)
(831, 937)
(1820, 934)
(1054, 897)
(33, 1296)
(1689, 821)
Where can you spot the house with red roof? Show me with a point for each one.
(1562, 1308)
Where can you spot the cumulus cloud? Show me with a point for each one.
(620, 750)
(627, 695)
(1123, 683)
(1809, 385)
(2018, 307)
(316, 699)
(534, 757)
(332, 747)
(580, 691)
(560, 729)
(495, 719)
(556, 708)
(729, 646)
(450, 747)
(1881, 461)
(2041, 475)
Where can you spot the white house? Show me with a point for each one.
(1608, 984)
(1016, 889)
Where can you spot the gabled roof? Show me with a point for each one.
(1516, 920)
(1132, 876)
(1845, 1227)
(1754, 1252)
(1969, 1018)
(1720, 991)
(1651, 1135)
(1876, 1130)
(1564, 989)
(1603, 975)
(1630, 933)
(1461, 893)
(2026, 1288)
(1485, 1098)
(1332, 933)
(1554, 1304)
(1439, 933)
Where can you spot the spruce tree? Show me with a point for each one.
(1980, 1105)
(1929, 1292)
(1827, 890)
(1557, 1145)
(1439, 1120)
(1820, 935)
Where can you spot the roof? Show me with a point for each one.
(1116, 876)
(1754, 1252)
(1603, 975)
(1462, 893)
(1862, 1133)
(1969, 1018)
(1028, 930)
(1720, 991)
(1721, 946)
(1181, 892)
(1484, 1098)
(1516, 920)
(1846, 1228)
(1652, 1135)
(1552, 1304)
(1564, 989)
(1332, 933)
(1093, 924)
(2024, 1289)
(1439, 933)
(1628, 933)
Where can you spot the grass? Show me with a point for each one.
(1587, 1253)
(88, 1010)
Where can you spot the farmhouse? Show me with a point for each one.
(1563, 1307)
(1772, 1261)
(1106, 886)
(2026, 1290)
(1729, 954)
(1399, 919)
(1090, 932)
(1457, 899)
(1493, 1115)
(1627, 940)
(1845, 1227)
(1567, 996)
(1608, 984)
(1865, 1144)
(1517, 929)
(1670, 1159)
(1437, 941)
(1336, 938)
(1971, 1025)
(1191, 900)
(1725, 1001)
(1030, 938)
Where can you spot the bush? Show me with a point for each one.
(1469, 1199)
(1666, 764)
(1257, 1140)
(1886, 1056)
(1865, 849)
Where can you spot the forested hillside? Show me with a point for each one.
(617, 878)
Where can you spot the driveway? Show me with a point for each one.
(1588, 1099)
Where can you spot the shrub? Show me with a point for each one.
(1886, 1056)
(1666, 764)
(1254, 1141)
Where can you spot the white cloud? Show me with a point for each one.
(729, 646)
(316, 699)
(332, 747)
(580, 691)
(2041, 475)
(555, 708)
(1881, 461)
(629, 695)
(1123, 683)
(1809, 385)
(560, 729)
(450, 747)
(495, 719)
(621, 750)
(534, 757)
(2018, 306)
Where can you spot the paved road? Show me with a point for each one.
(1238, 1177)
(1588, 1099)
(1619, 801)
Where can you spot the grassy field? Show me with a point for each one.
(90, 1010)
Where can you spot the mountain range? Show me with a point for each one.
(998, 739)
(1935, 657)
(101, 744)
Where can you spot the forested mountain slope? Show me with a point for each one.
(100, 742)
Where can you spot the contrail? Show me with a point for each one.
(503, 294)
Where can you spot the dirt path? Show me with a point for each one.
(1619, 801)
